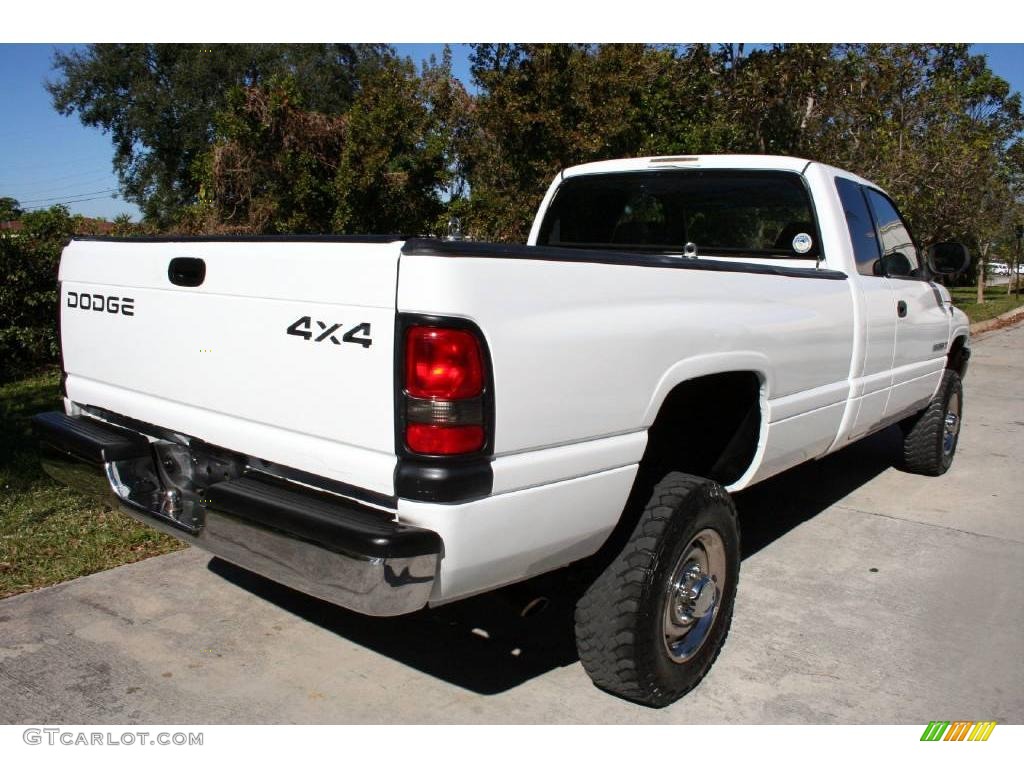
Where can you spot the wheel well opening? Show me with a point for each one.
(958, 356)
(708, 426)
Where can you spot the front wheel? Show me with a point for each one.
(930, 438)
(652, 624)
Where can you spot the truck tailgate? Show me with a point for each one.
(284, 352)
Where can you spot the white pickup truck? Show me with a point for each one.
(391, 423)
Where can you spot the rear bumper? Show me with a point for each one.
(318, 543)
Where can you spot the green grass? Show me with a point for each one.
(996, 301)
(48, 533)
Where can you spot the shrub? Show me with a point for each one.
(28, 292)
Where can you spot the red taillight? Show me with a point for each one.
(443, 391)
(444, 441)
(443, 363)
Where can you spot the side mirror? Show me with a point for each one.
(947, 258)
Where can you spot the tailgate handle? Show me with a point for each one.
(186, 271)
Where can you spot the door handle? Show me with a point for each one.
(186, 271)
(901, 308)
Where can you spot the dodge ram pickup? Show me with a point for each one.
(393, 423)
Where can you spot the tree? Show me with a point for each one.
(768, 100)
(932, 125)
(276, 165)
(452, 113)
(158, 102)
(270, 167)
(523, 120)
(10, 209)
(544, 107)
(398, 157)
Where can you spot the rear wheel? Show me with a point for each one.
(652, 624)
(930, 437)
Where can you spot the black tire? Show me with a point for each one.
(622, 619)
(929, 440)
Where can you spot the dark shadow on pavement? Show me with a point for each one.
(771, 509)
(485, 645)
(480, 643)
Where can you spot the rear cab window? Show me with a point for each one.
(735, 214)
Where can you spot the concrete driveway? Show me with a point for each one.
(867, 596)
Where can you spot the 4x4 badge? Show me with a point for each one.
(303, 327)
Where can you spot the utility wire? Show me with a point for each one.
(67, 198)
(66, 202)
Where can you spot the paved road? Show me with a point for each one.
(867, 596)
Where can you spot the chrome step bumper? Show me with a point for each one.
(315, 542)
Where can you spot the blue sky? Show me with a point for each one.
(46, 158)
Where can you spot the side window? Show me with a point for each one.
(862, 228)
(899, 254)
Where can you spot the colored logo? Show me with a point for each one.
(958, 730)
(802, 243)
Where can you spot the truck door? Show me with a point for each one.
(873, 379)
(922, 322)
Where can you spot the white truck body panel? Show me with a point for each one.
(570, 334)
(512, 536)
(215, 362)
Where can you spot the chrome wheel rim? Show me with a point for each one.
(951, 424)
(693, 595)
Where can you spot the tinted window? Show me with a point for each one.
(726, 212)
(899, 254)
(862, 228)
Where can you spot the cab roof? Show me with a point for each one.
(733, 162)
(753, 162)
